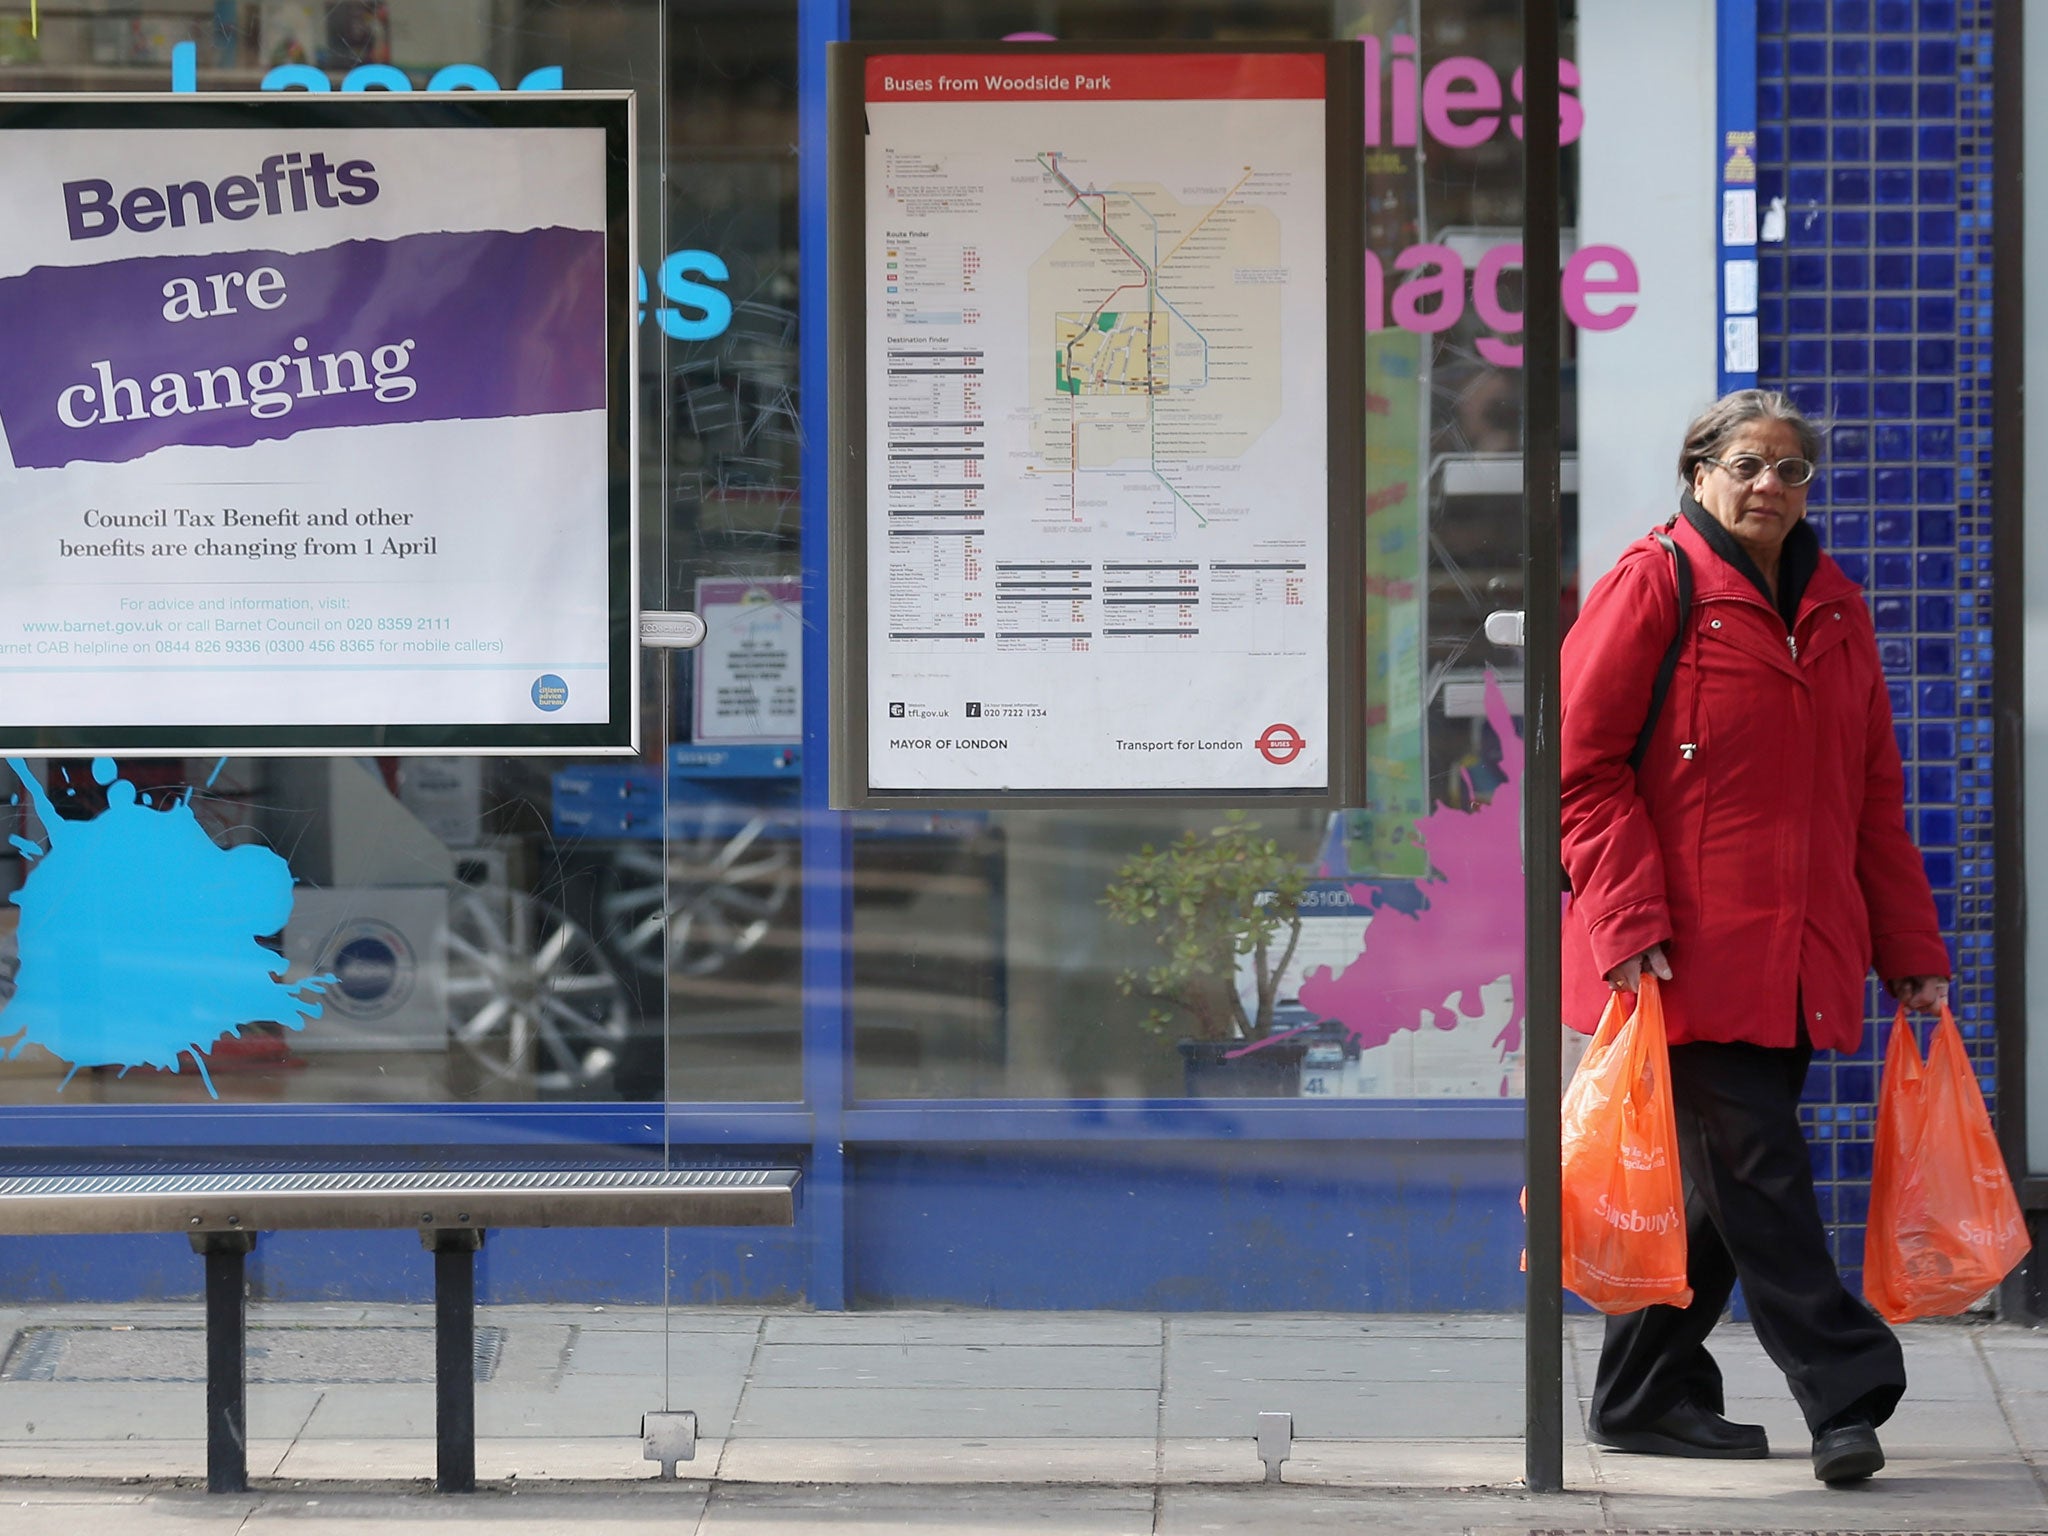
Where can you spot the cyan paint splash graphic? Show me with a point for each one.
(138, 936)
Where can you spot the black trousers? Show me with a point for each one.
(1750, 1215)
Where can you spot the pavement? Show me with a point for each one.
(979, 1423)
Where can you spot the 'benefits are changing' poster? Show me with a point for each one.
(304, 437)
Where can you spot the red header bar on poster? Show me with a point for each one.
(1095, 77)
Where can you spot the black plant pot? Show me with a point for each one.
(1269, 1072)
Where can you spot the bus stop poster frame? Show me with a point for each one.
(591, 263)
(860, 679)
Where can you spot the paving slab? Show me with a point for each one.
(1441, 1464)
(587, 1459)
(36, 1513)
(1285, 1511)
(94, 1410)
(830, 1413)
(642, 1319)
(939, 1460)
(2017, 1366)
(1913, 1493)
(641, 1357)
(740, 1510)
(1133, 1366)
(1497, 1362)
(1331, 1410)
(596, 1407)
(501, 1512)
(1210, 1459)
(1323, 1325)
(111, 1462)
(1390, 1464)
(1039, 1329)
(91, 1313)
(2027, 1416)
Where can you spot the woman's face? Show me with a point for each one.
(1759, 511)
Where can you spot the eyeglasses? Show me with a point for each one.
(1747, 467)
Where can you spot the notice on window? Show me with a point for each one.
(1097, 519)
(748, 672)
(307, 437)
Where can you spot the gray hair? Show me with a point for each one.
(1731, 413)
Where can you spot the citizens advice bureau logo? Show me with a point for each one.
(550, 692)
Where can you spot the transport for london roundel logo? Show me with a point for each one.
(549, 692)
(1280, 744)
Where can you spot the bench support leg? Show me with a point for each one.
(227, 1323)
(454, 1356)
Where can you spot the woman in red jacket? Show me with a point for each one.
(1757, 862)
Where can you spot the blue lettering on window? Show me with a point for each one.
(694, 310)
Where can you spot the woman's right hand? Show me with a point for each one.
(1626, 976)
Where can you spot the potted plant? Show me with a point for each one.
(1215, 900)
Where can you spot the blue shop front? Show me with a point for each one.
(1263, 1056)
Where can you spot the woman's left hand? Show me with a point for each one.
(1921, 994)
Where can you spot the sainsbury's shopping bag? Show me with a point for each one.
(1624, 1201)
(1944, 1225)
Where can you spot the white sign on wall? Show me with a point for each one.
(749, 679)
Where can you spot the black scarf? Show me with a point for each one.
(1797, 561)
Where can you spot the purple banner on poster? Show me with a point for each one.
(107, 363)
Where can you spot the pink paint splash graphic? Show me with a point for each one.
(1469, 935)
(1273, 1039)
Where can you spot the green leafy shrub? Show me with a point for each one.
(1211, 898)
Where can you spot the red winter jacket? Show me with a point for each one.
(1763, 842)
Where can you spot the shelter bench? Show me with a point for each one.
(223, 1213)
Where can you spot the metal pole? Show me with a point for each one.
(455, 1357)
(827, 847)
(227, 1321)
(1543, 1366)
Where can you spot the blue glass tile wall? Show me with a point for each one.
(1874, 126)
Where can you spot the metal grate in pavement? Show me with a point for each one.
(323, 1355)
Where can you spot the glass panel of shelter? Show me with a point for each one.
(1001, 935)
(486, 931)
(991, 976)
(553, 932)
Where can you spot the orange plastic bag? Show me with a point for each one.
(1624, 1201)
(1945, 1226)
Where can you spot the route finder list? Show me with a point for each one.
(1097, 499)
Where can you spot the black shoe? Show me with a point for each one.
(1846, 1450)
(1689, 1430)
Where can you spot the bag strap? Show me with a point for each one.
(1681, 570)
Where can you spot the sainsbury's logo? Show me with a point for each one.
(1658, 1222)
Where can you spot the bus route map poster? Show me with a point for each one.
(1098, 365)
